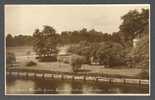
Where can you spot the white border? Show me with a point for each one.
(147, 94)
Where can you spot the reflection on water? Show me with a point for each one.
(21, 86)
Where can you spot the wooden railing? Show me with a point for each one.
(73, 76)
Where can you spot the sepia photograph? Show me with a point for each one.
(97, 49)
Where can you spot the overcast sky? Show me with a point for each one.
(24, 19)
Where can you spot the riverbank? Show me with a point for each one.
(81, 72)
(73, 76)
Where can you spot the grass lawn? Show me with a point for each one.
(22, 58)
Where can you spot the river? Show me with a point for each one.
(23, 86)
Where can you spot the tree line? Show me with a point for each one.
(18, 40)
(65, 37)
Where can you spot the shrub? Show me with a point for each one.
(105, 53)
(31, 63)
(76, 62)
(110, 54)
(10, 58)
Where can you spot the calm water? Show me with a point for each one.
(22, 86)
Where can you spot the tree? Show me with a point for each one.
(9, 40)
(134, 22)
(76, 62)
(45, 42)
(83, 49)
(110, 54)
(105, 53)
(141, 52)
(10, 59)
(65, 37)
(18, 40)
(118, 38)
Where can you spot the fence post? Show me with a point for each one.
(26, 75)
(62, 76)
(139, 82)
(73, 77)
(43, 75)
(124, 81)
(110, 80)
(96, 79)
(52, 76)
(34, 75)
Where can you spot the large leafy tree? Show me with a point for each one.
(110, 53)
(45, 41)
(134, 23)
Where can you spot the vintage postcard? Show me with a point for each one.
(97, 49)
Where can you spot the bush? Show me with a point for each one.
(110, 54)
(104, 53)
(31, 63)
(76, 62)
(83, 48)
(10, 59)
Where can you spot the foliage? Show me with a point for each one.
(10, 58)
(19, 40)
(31, 63)
(107, 53)
(110, 54)
(141, 52)
(134, 23)
(83, 49)
(9, 40)
(73, 37)
(45, 42)
(76, 62)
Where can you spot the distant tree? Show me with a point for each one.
(74, 37)
(19, 40)
(10, 59)
(9, 40)
(65, 37)
(22, 40)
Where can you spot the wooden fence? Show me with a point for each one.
(71, 76)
